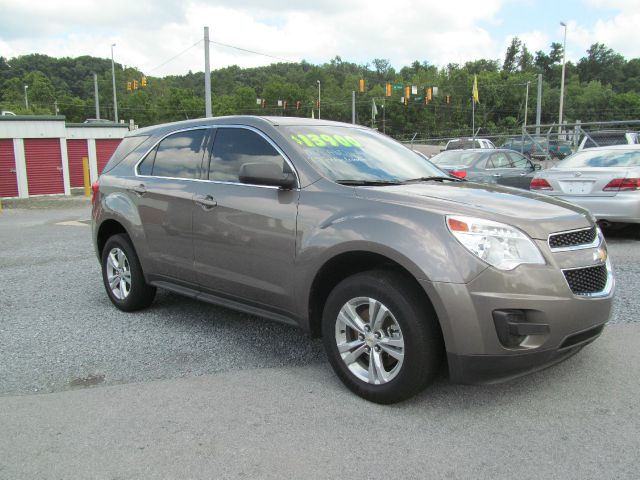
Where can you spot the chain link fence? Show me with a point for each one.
(545, 144)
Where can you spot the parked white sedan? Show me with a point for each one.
(604, 180)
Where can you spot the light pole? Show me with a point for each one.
(564, 55)
(526, 106)
(318, 99)
(26, 98)
(113, 78)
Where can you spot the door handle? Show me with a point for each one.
(207, 202)
(139, 190)
(12, 170)
(59, 169)
(523, 174)
(497, 175)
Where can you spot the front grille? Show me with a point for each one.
(588, 280)
(573, 239)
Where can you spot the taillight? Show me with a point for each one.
(624, 184)
(459, 173)
(95, 187)
(540, 184)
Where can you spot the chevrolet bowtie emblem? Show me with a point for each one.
(600, 255)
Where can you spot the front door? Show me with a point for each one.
(244, 236)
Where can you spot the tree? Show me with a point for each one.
(555, 55)
(525, 60)
(511, 56)
(601, 64)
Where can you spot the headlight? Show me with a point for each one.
(500, 245)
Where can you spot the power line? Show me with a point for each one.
(175, 56)
(288, 60)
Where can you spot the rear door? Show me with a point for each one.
(524, 169)
(163, 189)
(501, 170)
(245, 235)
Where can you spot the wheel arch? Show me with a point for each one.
(107, 229)
(346, 264)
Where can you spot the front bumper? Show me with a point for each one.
(483, 369)
(555, 323)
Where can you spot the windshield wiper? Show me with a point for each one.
(368, 182)
(437, 179)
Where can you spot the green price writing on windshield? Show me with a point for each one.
(324, 140)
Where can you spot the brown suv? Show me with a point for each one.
(350, 235)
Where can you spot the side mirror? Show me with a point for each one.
(265, 173)
(537, 166)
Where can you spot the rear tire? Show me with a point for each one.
(395, 354)
(123, 277)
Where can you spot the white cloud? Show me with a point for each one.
(148, 33)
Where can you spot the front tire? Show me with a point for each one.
(122, 275)
(381, 336)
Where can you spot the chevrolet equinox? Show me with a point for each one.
(348, 234)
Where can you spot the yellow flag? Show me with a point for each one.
(474, 92)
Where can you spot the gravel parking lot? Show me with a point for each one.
(59, 335)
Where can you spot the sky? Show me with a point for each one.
(164, 37)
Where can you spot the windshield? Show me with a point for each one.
(456, 157)
(610, 158)
(344, 153)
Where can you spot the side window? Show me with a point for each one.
(499, 160)
(233, 147)
(146, 166)
(179, 155)
(519, 161)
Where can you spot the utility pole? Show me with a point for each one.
(26, 97)
(95, 94)
(207, 76)
(564, 55)
(384, 131)
(539, 105)
(318, 99)
(353, 107)
(526, 106)
(113, 78)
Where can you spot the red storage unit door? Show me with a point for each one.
(8, 178)
(76, 150)
(44, 165)
(104, 150)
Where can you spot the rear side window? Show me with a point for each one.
(178, 155)
(519, 161)
(127, 145)
(233, 147)
(499, 160)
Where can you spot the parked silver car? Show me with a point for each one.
(350, 235)
(604, 180)
(498, 166)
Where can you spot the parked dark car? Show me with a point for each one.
(498, 166)
(348, 234)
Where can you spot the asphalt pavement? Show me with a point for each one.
(189, 390)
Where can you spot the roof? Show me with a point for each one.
(251, 120)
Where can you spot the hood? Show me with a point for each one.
(536, 214)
